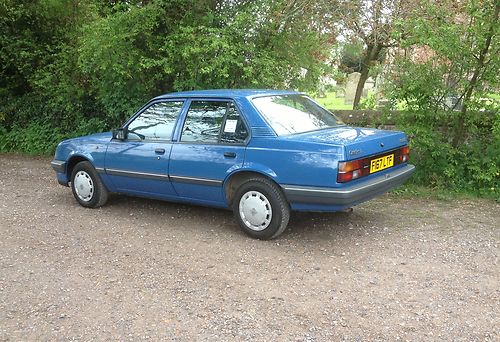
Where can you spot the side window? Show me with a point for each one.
(234, 130)
(156, 122)
(205, 119)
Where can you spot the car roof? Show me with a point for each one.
(227, 93)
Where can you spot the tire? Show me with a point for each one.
(261, 209)
(87, 186)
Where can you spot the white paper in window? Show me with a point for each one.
(230, 126)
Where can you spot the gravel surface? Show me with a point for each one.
(394, 269)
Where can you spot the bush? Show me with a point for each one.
(36, 138)
(471, 167)
(70, 68)
(40, 138)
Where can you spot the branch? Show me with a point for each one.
(360, 32)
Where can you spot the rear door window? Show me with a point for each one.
(214, 122)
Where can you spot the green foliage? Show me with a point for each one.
(67, 64)
(472, 167)
(36, 138)
(456, 147)
(352, 57)
(40, 138)
(370, 102)
(132, 55)
(114, 59)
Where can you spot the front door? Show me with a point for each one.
(139, 164)
(211, 145)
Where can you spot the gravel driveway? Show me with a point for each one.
(408, 269)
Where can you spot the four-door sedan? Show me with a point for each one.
(261, 153)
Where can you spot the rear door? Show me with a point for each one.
(139, 163)
(211, 144)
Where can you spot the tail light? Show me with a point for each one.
(405, 154)
(353, 169)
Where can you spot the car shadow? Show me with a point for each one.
(322, 224)
(201, 216)
(302, 225)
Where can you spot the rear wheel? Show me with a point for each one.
(87, 187)
(261, 209)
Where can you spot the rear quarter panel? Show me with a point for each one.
(294, 163)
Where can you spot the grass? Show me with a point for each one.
(332, 102)
(410, 190)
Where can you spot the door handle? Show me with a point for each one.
(159, 150)
(229, 154)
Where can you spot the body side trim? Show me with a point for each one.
(180, 179)
(193, 180)
(116, 172)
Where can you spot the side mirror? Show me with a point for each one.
(120, 133)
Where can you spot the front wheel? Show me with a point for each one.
(87, 187)
(261, 208)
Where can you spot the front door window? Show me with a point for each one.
(155, 123)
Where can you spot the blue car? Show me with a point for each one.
(261, 153)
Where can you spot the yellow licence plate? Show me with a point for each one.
(381, 163)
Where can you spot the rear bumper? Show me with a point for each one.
(351, 195)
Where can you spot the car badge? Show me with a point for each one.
(354, 152)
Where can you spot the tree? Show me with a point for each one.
(483, 27)
(450, 50)
(372, 23)
(90, 64)
(171, 45)
(458, 54)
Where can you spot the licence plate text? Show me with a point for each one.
(381, 163)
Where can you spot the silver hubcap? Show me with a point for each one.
(84, 186)
(255, 210)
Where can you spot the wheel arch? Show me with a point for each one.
(72, 161)
(238, 177)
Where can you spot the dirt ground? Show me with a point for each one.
(394, 269)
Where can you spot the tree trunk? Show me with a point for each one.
(361, 84)
(372, 53)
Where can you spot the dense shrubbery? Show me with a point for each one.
(71, 67)
(456, 146)
(39, 138)
(473, 166)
